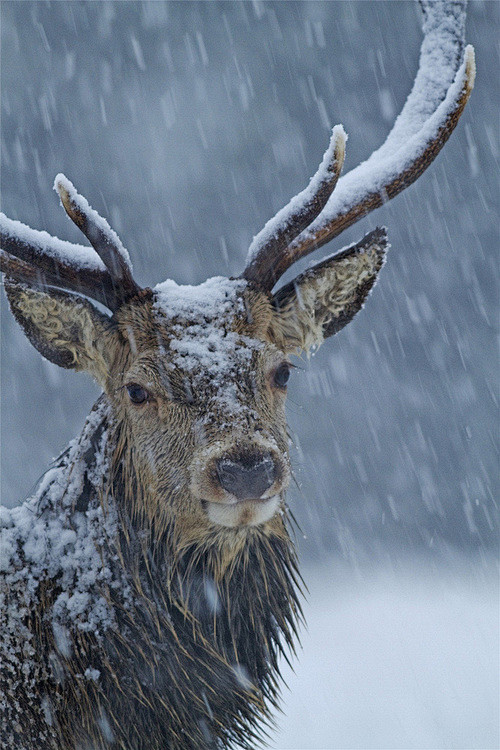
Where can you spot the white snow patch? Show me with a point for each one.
(79, 256)
(47, 538)
(216, 296)
(204, 346)
(59, 559)
(92, 674)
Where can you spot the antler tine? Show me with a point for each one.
(430, 115)
(38, 259)
(268, 249)
(103, 239)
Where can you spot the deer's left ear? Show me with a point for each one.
(323, 299)
(66, 329)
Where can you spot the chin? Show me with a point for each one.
(242, 513)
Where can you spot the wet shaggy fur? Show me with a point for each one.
(131, 619)
(190, 659)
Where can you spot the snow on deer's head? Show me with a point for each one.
(197, 375)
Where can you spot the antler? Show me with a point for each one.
(299, 213)
(430, 114)
(40, 260)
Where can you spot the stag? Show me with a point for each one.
(150, 586)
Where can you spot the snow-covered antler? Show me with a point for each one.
(440, 92)
(300, 212)
(40, 260)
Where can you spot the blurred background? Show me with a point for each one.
(188, 125)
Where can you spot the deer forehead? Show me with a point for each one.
(212, 335)
(219, 302)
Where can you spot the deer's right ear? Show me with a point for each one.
(66, 329)
(321, 301)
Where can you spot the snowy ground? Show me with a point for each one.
(396, 659)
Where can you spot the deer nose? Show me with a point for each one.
(248, 477)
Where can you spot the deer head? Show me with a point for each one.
(197, 375)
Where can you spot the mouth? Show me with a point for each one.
(235, 513)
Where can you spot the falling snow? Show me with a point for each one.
(188, 125)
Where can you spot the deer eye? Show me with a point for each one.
(281, 375)
(137, 394)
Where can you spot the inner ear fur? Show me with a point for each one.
(321, 301)
(66, 329)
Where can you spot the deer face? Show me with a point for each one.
(201, 396)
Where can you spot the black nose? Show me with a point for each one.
(247, 477)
